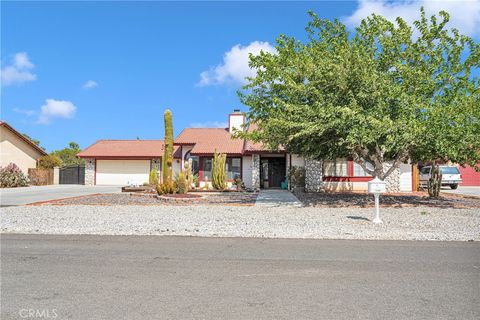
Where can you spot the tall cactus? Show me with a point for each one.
(219, 173)
(167, 159)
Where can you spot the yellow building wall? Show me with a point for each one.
(13, 149)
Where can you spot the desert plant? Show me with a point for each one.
(296, 176)
(11, 176)
(182, 183)
(167, 159)
(153, 178)
(219, 173)
(239, 184)
(168, 187)
(49, 162)
(435, 182)
(196, 180)
(189, 174)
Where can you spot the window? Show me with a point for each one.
(233, 168)
(194, 160)
(425, 170)
(358, 170)
(449, 170)
(207, 168)
(336, 168)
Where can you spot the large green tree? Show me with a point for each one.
(68, 155)
(388, 92)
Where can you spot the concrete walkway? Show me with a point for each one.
(277, 198)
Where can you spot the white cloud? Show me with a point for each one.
(27, 112)
(464, 14)
(19, 71)
(235, 67)
(90, 84)
(56, 109)
(209, 124)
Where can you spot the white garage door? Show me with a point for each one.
(122, 172)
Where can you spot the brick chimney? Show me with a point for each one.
(236, 120)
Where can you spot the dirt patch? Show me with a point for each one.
(233, 198)
(364, 200)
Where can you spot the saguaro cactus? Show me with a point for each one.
(219, 174)
(167, 159)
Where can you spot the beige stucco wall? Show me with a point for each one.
(13, 149)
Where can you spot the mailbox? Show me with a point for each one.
(377, 186)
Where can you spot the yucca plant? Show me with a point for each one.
(153, 178)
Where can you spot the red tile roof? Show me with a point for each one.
(21, 136)
(207, 140)
(252, 147)
(124, 148)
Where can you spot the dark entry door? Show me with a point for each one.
(72, 175)
(276, 172)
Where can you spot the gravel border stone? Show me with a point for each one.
(412, 223)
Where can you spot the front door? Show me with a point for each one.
(272, 172)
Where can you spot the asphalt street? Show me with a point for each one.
(123, 277)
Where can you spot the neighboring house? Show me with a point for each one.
(470, 177)
(129, 162)
(18, 149)
(121, 162)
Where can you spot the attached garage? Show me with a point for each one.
(122, 172)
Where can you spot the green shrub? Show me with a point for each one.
(239, 184)
(49, 162)
(296, 175)
(11, 176)
(153, 178)
(169, 187)
(182, 183)
(219, 173)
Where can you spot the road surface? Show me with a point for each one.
(26, 195)
(122, 277)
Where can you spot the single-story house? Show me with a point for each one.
(18, 149)
(122, 162)
(130, 161)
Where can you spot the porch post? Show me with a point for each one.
(313, 175)
(256, 171)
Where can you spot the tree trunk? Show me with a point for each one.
(435, 182)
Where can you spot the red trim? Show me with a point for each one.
(229, 155)
(200, 168)
(250, 152)
(350, 169)
(347, 179)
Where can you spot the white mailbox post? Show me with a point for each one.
(377, 186)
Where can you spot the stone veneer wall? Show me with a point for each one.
(156, 164)
(313, 175)
(256, 171)
(89, 171)
(393, 180)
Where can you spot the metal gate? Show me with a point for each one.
(72, 175)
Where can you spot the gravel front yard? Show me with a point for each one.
(411, 223)
(207, 198)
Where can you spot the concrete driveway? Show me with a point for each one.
(26, 195)
(464, 191)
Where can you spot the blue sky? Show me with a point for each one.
(83, 71)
